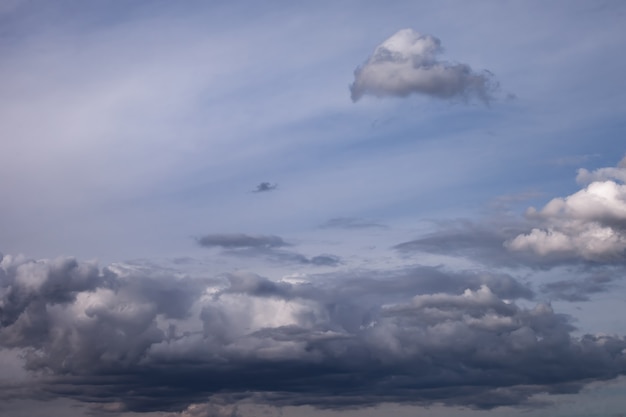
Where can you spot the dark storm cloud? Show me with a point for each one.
(126, 338)
(351, 223)
(240, 240)
(265, 186)
(407, 63)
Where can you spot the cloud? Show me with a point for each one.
(285, 256)
(589, 224)
(407, 63)
(240, 240)
(138, 339)
(351, 223)
(587, 228)
(481, 241)
(265, 186)
(267, 246)
(603, 174)
(578, 289)
(209, 409)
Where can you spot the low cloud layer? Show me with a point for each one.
(408, 63)
(123, 338)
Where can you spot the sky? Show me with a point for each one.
(321, 209)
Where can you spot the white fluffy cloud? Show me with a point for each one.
(407, 63)
(610, 173)
(589, 224)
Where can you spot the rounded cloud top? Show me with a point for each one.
(407, 63)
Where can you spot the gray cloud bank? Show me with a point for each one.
(407, 63)
(123, 338)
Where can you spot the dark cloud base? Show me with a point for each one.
(151, 340)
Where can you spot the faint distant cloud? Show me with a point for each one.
(263, 246)
(569, 160)
(407, 63)
(265, 186)
(240, 240)
(506, 201)
(578, 289)
(283, 256)
(351, 223)
(325, 260)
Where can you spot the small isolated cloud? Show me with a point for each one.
(351, 223)
(325, 260)
(589, 224)
(240, 240)
(264, 187)
(407, 63)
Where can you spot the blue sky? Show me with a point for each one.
(400, 147)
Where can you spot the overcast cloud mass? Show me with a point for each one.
(457, 251)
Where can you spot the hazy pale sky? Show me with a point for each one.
(349, 208)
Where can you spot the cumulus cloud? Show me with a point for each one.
(589, 224)
(587, 228)
(408, 63)
(130, 339)
(603, 174)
